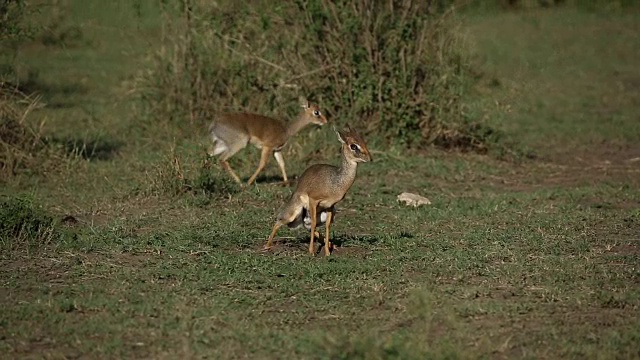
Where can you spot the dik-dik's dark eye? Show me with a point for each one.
(355, 147)
(316, 112)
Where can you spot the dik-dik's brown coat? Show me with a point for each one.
(320, 187)
(234, 131)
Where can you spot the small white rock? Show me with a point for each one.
(413, 199)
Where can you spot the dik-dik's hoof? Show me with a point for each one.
(328, 251)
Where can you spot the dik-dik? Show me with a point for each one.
(232, 132)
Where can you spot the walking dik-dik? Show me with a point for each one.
(319, 188)
(232, 132)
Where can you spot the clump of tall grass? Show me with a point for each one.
(23, 147)
(179, 174)
(394, 69)
(19, 142)
(26, 226)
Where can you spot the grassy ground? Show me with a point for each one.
(527, 259)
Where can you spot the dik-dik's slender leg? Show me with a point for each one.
(333, 218)
(280, 160)
(263, 161)
(313, 209)
(273, 233)
(231, 149)
(225, 165)
(327, 250)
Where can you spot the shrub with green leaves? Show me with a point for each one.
(19, 142)
(394, 69)
(24, 225)
(13, 22)
(16, 28)
(23, 148)
(197, 178)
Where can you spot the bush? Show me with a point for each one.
(13, 24)
(201, 180)
(22, 146)
(393, 69)
(18, 142)
(25, 226)
(15, 29)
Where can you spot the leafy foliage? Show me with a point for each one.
(22, 145)
(23, 225)
(394, 69)
(13, 24)
(203, 181)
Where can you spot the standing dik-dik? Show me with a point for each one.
(320, 187)
(234, 131)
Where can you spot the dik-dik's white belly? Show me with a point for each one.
(320, 220)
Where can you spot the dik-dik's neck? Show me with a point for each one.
(348, 170)
(296, 125)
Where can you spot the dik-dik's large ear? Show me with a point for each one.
(303, 102)
(340, 135)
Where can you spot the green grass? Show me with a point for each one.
(530, 259)
(563, 77)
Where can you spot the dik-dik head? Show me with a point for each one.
(353, 145)
(312, 112)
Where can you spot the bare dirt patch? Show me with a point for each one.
(606, 162)
(298, 246)
(626, 249)
(603, 155)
